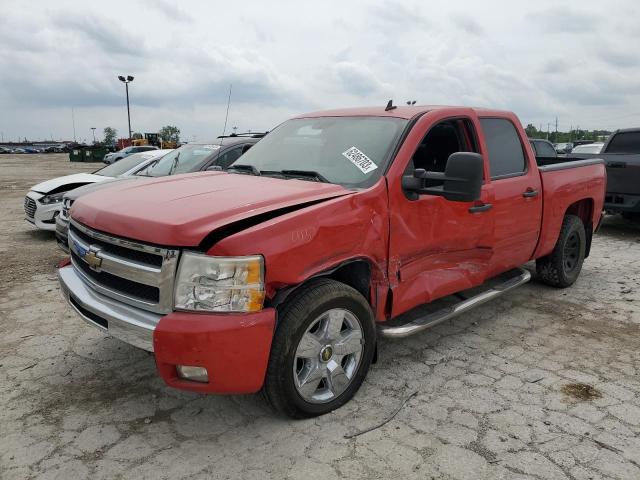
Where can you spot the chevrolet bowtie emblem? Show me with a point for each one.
(92, 259)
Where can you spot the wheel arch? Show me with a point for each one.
(355, 273)
(583, 209)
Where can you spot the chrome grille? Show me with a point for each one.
(138, 274)
(29, 207)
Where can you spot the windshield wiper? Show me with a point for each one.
(175, 164)
(244, 169)
(310, 174)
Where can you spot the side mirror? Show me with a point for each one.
(462, 179)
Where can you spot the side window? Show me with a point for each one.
(440, 142)
(506, 155)
(543, 149)
(228, 157)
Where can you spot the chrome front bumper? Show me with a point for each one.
(129, 324)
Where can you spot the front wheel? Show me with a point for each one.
(563, 265)
(322, 349)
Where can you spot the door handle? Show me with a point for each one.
(480, 208)
(617, 164)
(529, 192)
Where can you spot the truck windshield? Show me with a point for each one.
(185, 159)
(349, 151)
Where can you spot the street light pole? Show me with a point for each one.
(93, 130)
(126, 82)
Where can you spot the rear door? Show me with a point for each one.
(517, 193)
(437, 247)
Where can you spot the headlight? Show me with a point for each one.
(220, 284)
(55, 198)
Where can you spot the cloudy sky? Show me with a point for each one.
(576, 60)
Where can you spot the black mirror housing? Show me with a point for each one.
(462, 179)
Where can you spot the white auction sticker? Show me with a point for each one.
(360, 160)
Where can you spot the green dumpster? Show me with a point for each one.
(95, 154)
(76, 155)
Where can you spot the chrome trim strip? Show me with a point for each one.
(120, 267)
(131, 325)
(112, 293)
(433, 319)
(163, 252)
(570, 164)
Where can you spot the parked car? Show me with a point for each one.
(195, 157)
(5, 150)
(336, 229)
(110, 158)
(621, 153)
(43, 203)
(563, 147)
(186, 159)
(595, 147)
(19, 150)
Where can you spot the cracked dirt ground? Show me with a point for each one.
(493, 387)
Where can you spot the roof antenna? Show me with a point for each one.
(390, 106)
(224, 129)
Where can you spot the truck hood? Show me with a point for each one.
(182, 210)
(60, 182)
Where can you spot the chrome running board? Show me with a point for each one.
(433, 319)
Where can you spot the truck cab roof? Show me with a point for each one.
(407, 112)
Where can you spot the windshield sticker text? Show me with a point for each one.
(360, 160)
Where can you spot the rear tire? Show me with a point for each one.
(562, 266)
(322, 349)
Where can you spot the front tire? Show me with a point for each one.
(562, 266)
(322, 349)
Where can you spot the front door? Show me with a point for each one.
(437, 247)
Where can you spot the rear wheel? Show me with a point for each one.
(562, 266)
(321, 351)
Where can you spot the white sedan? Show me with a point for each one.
(44, 201)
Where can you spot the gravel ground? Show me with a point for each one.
(542, 383)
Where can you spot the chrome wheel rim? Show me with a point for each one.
(328, 356)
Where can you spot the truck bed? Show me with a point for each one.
(564, 185)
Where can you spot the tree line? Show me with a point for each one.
(566, 137)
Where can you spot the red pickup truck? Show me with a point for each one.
(338, 228)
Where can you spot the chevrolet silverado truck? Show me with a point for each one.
(336, 229)
(621, 154)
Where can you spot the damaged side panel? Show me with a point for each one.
(304, 243)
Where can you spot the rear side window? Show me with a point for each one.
(227, 158)
(543, 149)
(506, 156)
(625, 142)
